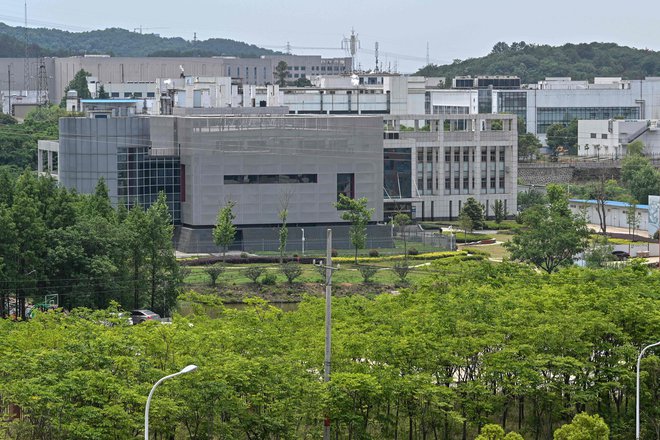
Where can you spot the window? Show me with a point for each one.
(151, 94)
(457, 183)
(137, 95)
(502, 182)
(114, 94)
(127, 94)
(484, 155)
(483, 183)
(447, 155)
(603, 136)
(466, 183)
(492, 155)
(429, 155)
(492, 182)
(457, 155)
(429, 183)
(345, 185)
(269, 178)
(466, 155)
(447, 183)
(501, 155)
(593, 135)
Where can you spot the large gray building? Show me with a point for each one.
(257, 161)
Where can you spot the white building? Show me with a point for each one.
(609, 138)
(616, 213)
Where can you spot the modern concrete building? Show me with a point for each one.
(609, 138)
(432, 167)
(202, 162)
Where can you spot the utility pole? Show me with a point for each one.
(9, 87)
(328, 321)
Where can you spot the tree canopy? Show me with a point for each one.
(535, 62)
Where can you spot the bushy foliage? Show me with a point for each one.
(269, 279)
(535, 62)
(367, 272)
(214, 271)
(253, 272)
(291, 271)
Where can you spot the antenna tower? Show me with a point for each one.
(428, 56)
(26, 59)
(376, 52)
(288, 48)
(42, 85)
(351, 45)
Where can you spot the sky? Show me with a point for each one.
(402, 28)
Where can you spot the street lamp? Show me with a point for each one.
(303, 241)
(639, 359)
(185, 370)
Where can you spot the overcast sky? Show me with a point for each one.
(453, 29)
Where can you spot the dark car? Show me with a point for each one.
(141, 315)
(621, 255)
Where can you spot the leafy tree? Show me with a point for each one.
(475, 210)
(401, 269)
(302, 82)
(357, 213)
(214, 271)
(401, 220)
(632, 218)
(499, 211)
(225, 231)
(530, 198)
(599, 253)
(291, 271)
(640, 177)
(562, 137)
(79, 84)
(102, 94)
(283, 230)
(552, 235)
(162, 268)
(635, 148)
(367, 272)
(281, 73)
(528, 146)
(466, 224)
(584, 427)
(602, 191)
(253, 272)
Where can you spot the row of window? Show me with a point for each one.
(468, 155)
(133, 95)
(270, 178)
(602, 136)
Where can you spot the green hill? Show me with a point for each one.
(532, 62)
(117, 42)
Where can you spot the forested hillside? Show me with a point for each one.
(532, 62)
(117, 42)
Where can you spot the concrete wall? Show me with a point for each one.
(213, 147)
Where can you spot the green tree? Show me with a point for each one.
(584, 427)
(552, 235)
(635, 148)
(225, 231)
(281, 73)
(162, 268)
(214, 271)
(283, 232)
(102, 94)
(632, 218)
(79, 84)
(528, 146)
(401, 220)
(602, 191)
(531, 197)
(357, 213)
(640, 177)
(499, 211)
(475, 210)
(466, 224)
(302, 82)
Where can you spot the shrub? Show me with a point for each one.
(244, 255)
(402, 269)
(373, 253)
(253, 273)
(367, 273)
(334, 252)
(413, 251)
(269, 279)
(291, 271)
(214, 271)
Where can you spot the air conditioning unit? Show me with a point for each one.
(653, 124)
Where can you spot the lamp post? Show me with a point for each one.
(639, 359)
(303, 241)
(185, 370)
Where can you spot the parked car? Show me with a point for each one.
(621, 255)
(141, 315)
